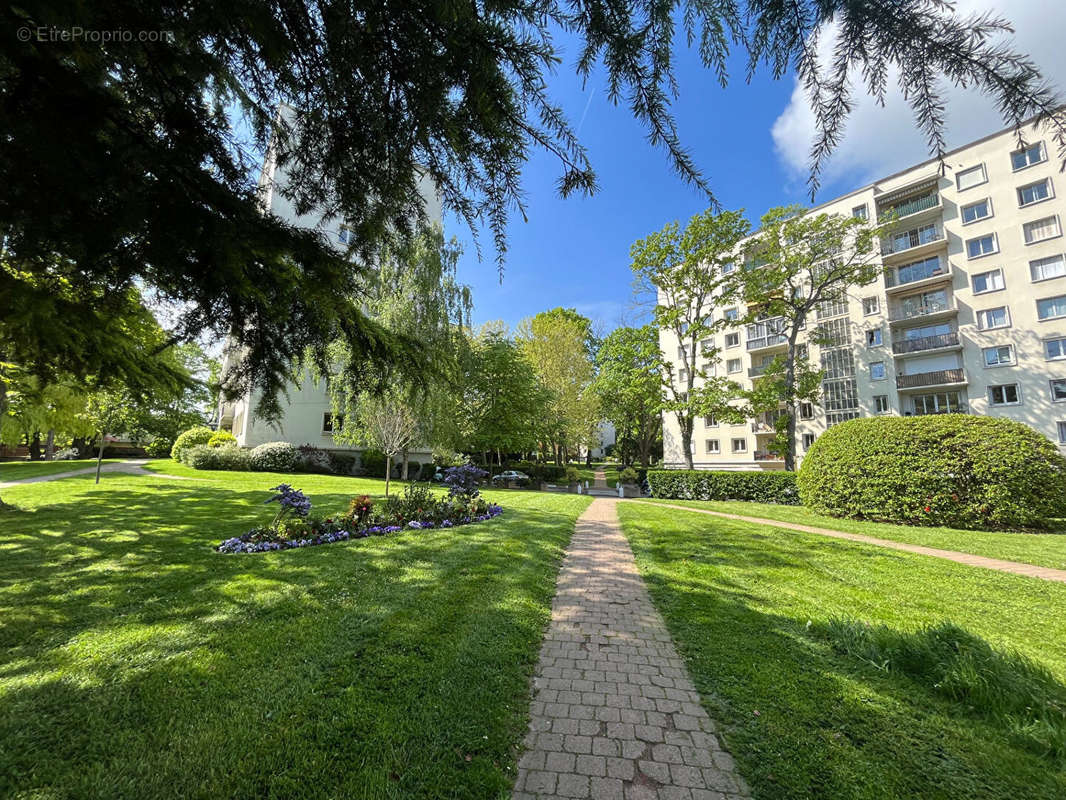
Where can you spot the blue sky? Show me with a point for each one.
(750, 140)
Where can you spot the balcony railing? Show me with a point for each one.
(940, 376)
(900, 313)
(926, 343)
(767, 341)
(766, 455)
(902, 242)
(959, 408)
(912, 206)
(761, 427)
(755, 372)
(913, 274)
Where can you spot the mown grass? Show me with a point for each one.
(136, 662)
(842, 670)
(1041, 549)
(20, 470)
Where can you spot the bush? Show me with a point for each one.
(628, 475)
(227, 457)
(159, 448)
(760, 487)
(373, 463)
(414, 469)
(219, 438)
(275, 457)
(427, 472)
(190, 438)
(463, 481)
(549, 473)
(313, 459)
(341, 464)
(956, 470)
(572, 475)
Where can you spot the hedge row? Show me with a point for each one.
(956, 470)
(761, 487)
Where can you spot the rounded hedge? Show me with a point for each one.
(219, 438)
(275, 457)
(956, 470)
(189, 439)
(227, 457)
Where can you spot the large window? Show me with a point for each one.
(990, 281)
(833, 308)
(968, 178)
(999, 356)
(838, 363)
(919, 270)
(993, 318)
(974, 212)
(1004, 395)
(1051, 307)
(1035, 192)
(981, 246)
(1055, 349)
(1042, 269)
(834, 333)
(1040, 230)
(939, 403)
(1027, 156)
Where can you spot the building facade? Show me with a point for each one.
(969, 315)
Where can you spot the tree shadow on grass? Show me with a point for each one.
(135, 661)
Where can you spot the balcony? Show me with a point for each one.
(921, 344)
(941, 377)
(766, 455)
(911, 206)
(914, 276)
(914, 243)
(760, 426)
(756, 372)
(926, 311)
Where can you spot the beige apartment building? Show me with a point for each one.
(969, 316)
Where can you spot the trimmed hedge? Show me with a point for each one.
(955, 470)
(189, 439)
(228, 457)
(275, 457)
(219, 438)
(697, 484)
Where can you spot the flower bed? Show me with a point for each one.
(417, 509)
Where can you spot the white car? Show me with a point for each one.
(510, 475)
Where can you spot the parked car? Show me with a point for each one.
(511, 476)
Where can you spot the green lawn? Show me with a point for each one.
(136, 662)
(19, 470)
(772, 629)
(1041, 549)
(610, 472)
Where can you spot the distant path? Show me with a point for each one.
(135, 467)
(1013, 567)
(599, 480)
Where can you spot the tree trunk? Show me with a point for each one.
(790, 401)
(35, 446)
(685, 423)
(99, 456)
(50, 445)
(405, 462)
(388, 473)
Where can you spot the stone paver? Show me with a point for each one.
(614, 714)
(131, 467)
(1013, 567)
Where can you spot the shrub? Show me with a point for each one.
(628, 475)
(572, 475)
(427, 472)
(373, 463)
(341, 464)
(159, 448)
(219, 438)
(275, 457)
(955, 470)
(190, 438)
(761, 487)
(359, 511)
(463, 481)
(312, 459)
(414, 469)
(227, 457)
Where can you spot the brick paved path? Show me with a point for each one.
(614, 713)
(1013, 567)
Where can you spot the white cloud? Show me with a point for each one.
(881, 140)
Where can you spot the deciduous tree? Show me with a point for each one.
(629, 386)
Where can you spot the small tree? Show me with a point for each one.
(629, 386)
(682, 271)
(794, 263)
(388, 425)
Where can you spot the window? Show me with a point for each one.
(993, 318)
(709, 368)
(1027, 156)
(1005, 395)
(740, 445)
(710, 422)
(991, 281)
(1040, 230)
(711, 447)
(870, 306)
(1042, 269)
(732, 314)
(968, 178)
(1051, 307)
(1055, 349)
(345, 235)
(732, 365)
(682, 354)
(727, 268)
(332, 423)
(859, 212)
(806, 410)
(732, 340)
(1058, 390)
(877, 370)
(682, 376)
(707, 346)
(919, 270)
(982, 209)
(1034, 192)
(873, 337)
(834, 307)
(981, 246)
(808, 440)
(1062, 432)
(881, 404)
(998, 356)
(939, 403)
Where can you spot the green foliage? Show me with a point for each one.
(226, 456)
(759, 486)
(190, 438)
(955, 470)
(629, 386)
(313, 459)
(159, 448)
(572, 475)
(275, 457)
(372, 462)
(628, 475)
(549, 473)
(219, 438)
(341, 463)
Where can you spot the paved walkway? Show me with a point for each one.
(599, 480)
(132, 467)
(614, 714)
(1014, 567)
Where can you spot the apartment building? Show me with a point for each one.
(969, 315)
